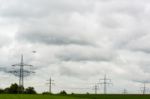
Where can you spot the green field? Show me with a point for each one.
(9, 96)
(16, 96)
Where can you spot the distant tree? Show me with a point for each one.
(45, 93)
(13, 89)
(63, 92)
(30, 90)
(6, 90)
(87, 93)
(1, 91)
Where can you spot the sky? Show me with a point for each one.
(77, 42)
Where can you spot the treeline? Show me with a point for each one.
(15, 89)
(63, 92)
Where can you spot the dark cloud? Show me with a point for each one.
(52, 38)
(81, 54)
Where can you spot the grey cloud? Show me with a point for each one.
(140, 44)
(22, 9)
(52, 38)
(79, 58)
(142, 81)
(68, 71)
(80, 54)
(5, 41)
(144, 64)
(78, 70)
(3, 69)
(57, 32)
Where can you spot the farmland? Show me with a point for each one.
(17, 96)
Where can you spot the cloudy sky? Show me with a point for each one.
(77, 42)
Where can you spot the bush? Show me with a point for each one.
(63, 92)
(13, 89)
(47, 93)
(1, 91)
(30, 90)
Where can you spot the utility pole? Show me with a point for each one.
(50, 85)
(96, 88)
(105, 81)
(21, 73)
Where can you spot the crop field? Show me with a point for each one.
(15, 96)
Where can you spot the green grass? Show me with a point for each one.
(17, 96)
(114, 96)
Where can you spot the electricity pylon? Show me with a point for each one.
(105, 81)
(144, 89)
(96, 88)
(21, 73)
(50, 85)
(124, 91)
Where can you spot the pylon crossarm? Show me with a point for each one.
(28, 72)
(16, 64)
(26, 65)
(13, 71)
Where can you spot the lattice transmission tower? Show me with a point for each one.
(105, 82)
(21, 73)
(50, 82)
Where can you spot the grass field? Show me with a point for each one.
(10, 96)
(114, 96)
(13, 96)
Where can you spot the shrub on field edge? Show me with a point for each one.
(63, 92)
(30, 90)
(47, 93)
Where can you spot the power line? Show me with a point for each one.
(105, 81)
